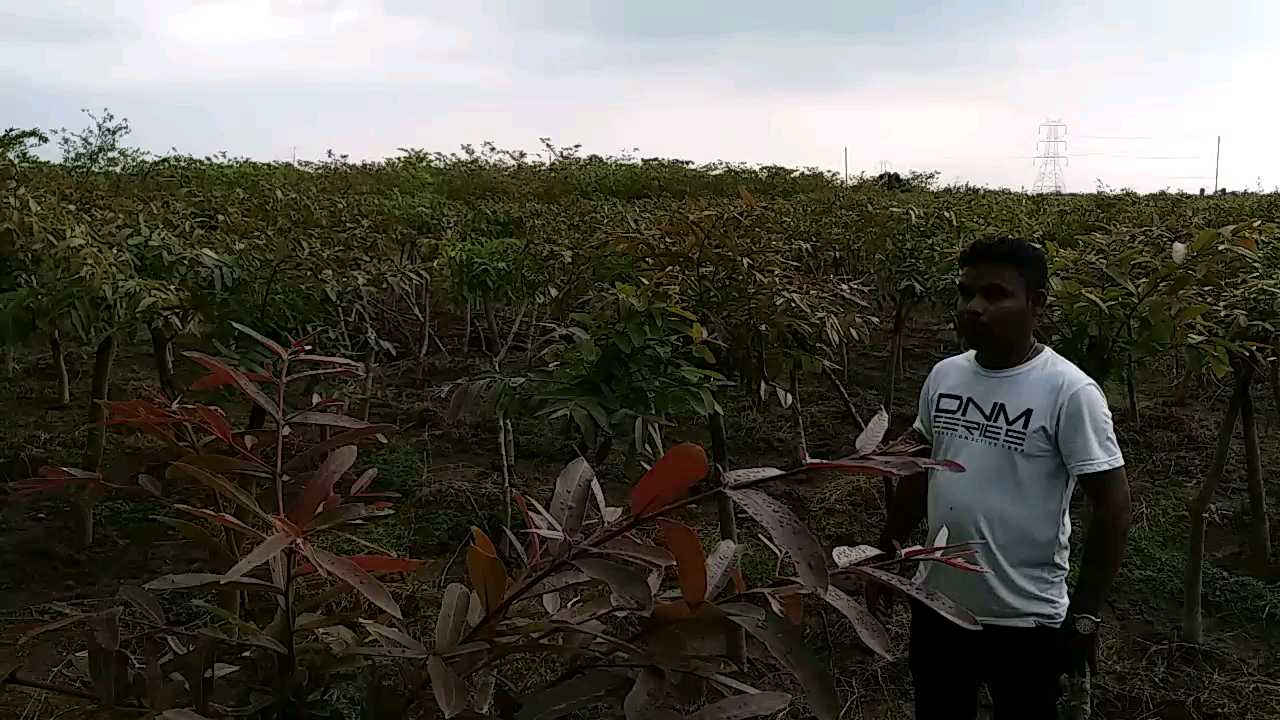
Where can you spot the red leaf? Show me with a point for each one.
(217, 379)
(122, 412)
(246, 386)
(869, 630)
(788, 533)
(215, 421)
(364, 481)
(321, 485)
(310, 456)
(218, 484)
(488, 576)
(266, 342)
(351, 573)
(691, 565)
(375, 564)
(265, 550)
(228, 465)
(55, 478)
(886, 465)
(328, 419)
(221, 518)
(669, 478)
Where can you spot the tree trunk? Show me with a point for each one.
(60, 365)
(162, 351)
(899, 315)
(1191, 370)
(424, 348)
(493, 344)
(1192, 626)
(803, 450)
(735, 637)
(92, 460)
(1259, 531)
(1131, 389)
(466, 331)
(369, 357)
(1275, 384)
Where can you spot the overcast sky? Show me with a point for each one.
(1144, 87)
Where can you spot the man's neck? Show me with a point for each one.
(1003, 359)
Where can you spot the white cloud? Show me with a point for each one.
(923, 90)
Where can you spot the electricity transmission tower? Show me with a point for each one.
(1050, 157)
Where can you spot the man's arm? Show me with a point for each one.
(1108, 532)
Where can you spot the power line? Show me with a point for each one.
(1051, 157)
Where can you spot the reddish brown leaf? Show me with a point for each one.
(449, 690)
(222, 519)
(327, 419)
(364, 481)
(215, 421)
(321, 484)
(742, 707)
(309, 457)
(144, 601)
(691, 566)
(630, 589)
(936, 600)
(375, 564)
(886, 465)
(263, 552)
(669, 478)
(328, 360)
(645, 695)
(788, 533)
(218, 484)
(227, 465)
(348, 571)
(217, 379)
(55, 478)
(191, 581)
(488, 576)
(453, 616)
(264, 341)
(632, 550)
(246, 386)
(787, 644)
(869, 630)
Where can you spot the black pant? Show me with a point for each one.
(1019, 665)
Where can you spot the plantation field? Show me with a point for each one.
(472, 324)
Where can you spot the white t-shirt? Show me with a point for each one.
(1023, 435)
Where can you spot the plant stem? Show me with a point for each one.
(278, 475)
(92, 461)
(162, 351)
(844, 394)
(1192, 620)
(1259, 530)
(735, 636)
(60, 366)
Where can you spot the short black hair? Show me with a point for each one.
(1027, 259)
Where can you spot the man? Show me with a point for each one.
(1027, 425)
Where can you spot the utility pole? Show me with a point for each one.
(1050, 157)
(1217, 157)
(846, 164)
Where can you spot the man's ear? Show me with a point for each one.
(1038, 299)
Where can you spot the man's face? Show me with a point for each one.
(994, 310)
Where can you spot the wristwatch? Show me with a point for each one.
(1085, 624)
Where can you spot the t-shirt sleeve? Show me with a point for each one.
(1086, 436)
(924, 423)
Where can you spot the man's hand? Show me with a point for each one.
(878, 598)
(1079, 652)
